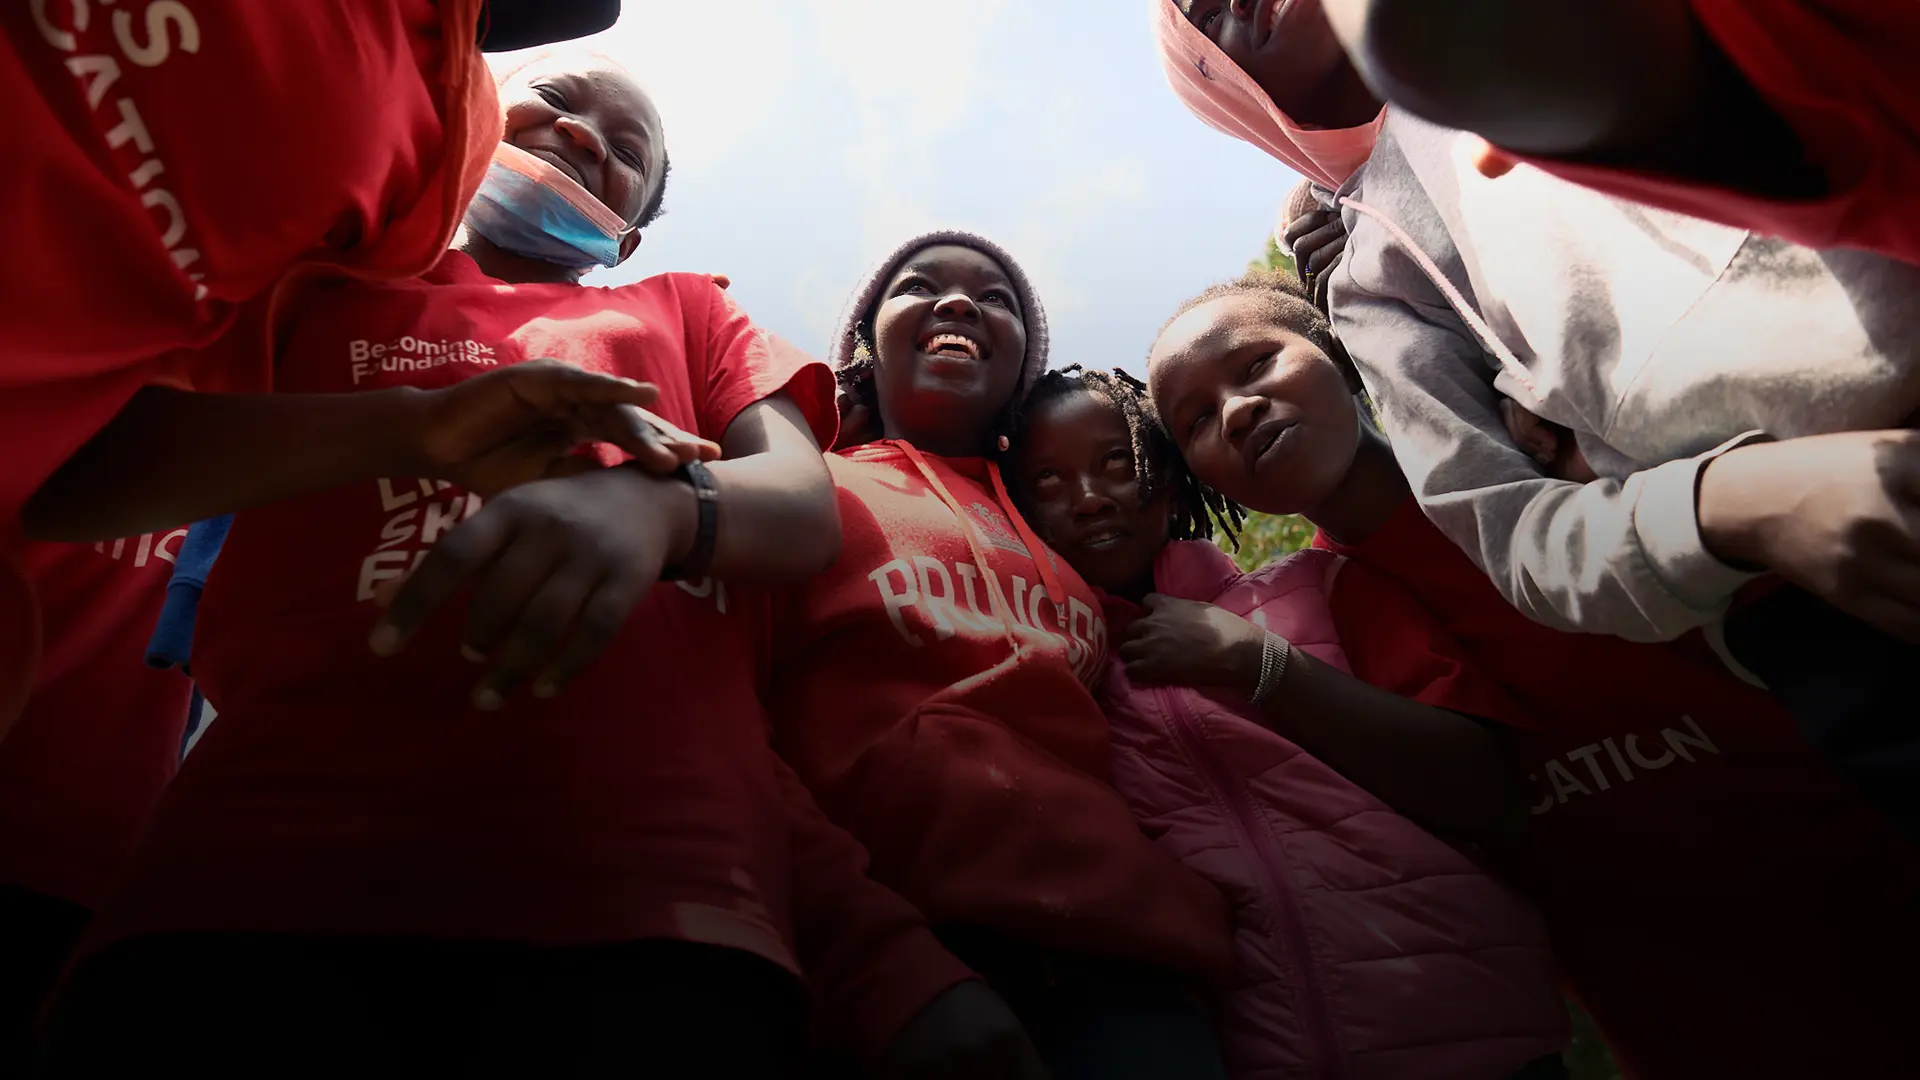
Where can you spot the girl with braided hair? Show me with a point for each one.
(1365, 945)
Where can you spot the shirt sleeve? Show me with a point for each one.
(1613, 557)
(1393, 642)
(1838, 73)
(740, 363)
(869, 956)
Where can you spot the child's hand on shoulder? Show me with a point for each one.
(524, 423)
(1838, 515)
(1187, 643)
(554, 568)
(967, 1033)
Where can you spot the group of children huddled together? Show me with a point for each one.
(606, 687)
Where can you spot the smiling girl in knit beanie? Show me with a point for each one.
(931, 688)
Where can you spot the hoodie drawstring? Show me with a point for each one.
(996, 599)
(1488, 339)
(1042, 554)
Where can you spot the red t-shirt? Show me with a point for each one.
(1393, 642)
(1840, 73)
(179, 158)
(99, 739)
(1721, 901)
(343, 793)
(340, 793)
(966, 751)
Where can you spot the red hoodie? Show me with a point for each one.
(1720, 900)
(964, 748)
(344, 794)
(178, 159)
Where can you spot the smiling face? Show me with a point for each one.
(1290, 50)
(592, 123)
(1077, 471)
(1258, 410)
(950, 342)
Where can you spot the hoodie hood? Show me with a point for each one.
(851, 363)
(1228, 99)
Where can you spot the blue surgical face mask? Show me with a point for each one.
(530, 208)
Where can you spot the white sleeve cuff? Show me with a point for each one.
(1667, 521)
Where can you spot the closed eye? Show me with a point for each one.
(552, 97)
(1254, 368)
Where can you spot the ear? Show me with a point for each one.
(628, 243)
(1530, 433)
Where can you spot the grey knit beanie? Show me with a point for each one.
(850, 360)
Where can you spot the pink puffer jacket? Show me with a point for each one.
(1366, 948)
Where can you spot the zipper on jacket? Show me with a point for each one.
(1327, 1058)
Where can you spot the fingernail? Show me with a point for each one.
(544, 690)
(488, 700)
(384, 641)
(471, 654)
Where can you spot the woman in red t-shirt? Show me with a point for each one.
(349, 134)
(932, 689)
(369, 856)
(1722, 904)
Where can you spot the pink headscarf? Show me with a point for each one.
(1229, 100)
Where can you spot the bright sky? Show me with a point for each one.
(809, 138)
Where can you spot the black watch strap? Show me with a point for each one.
(707, 496)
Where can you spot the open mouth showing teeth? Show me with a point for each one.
(952, 346)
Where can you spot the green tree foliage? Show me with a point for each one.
(1267, 537)
(1274, 259)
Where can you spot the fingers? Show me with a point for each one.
(601, 616)
(1305, 224)
(551, 384)
(1323, 259)
(658, 446)
(541, 625)
(504, 588)
(1329, 230)
(456, 557)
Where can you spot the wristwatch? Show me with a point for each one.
(707, 498)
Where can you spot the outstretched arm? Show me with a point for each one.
(556, 566)
(172, 457)
(1633, 84)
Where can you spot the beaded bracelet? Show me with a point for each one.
(1275, 651)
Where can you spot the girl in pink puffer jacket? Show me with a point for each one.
(1367, 948)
